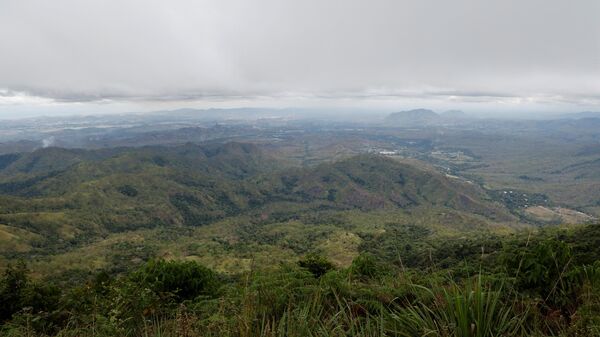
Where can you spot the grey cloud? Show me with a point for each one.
(87, 51)
(473, 94)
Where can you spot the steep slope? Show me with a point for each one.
(130, 189)
(373, 182)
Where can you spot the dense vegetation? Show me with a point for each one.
(227, 240)
(55, 200)
(542, 284)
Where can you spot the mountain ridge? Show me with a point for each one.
(194, 185)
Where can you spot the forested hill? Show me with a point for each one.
(57, 194)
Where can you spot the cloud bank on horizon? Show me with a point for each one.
(512, 54)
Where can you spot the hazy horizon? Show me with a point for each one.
(508, 59)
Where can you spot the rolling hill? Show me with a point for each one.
(55, 200)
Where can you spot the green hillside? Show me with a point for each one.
(139, 241)
(57, 200)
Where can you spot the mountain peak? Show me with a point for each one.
(413, 117)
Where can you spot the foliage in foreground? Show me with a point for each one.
(541, 286)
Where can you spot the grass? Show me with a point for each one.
(284, 305)
(366, 299)
(470, 310)
(235, 244)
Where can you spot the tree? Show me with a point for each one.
(13, 287)
(182, 280)
(316, 264)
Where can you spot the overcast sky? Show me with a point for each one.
(103, 56)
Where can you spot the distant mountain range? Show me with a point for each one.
(426, 117)
(454, 114)
(582, 115)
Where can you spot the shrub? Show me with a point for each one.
(316, 264)
(367, 266)
(128, 190)
(12, 290)
(20, 296)
(182, 280)
(545, 270)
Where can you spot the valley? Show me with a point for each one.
(252, 197)
(276, 168)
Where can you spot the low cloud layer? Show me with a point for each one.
(508, 52)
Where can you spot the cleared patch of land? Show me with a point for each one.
(558, 214)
